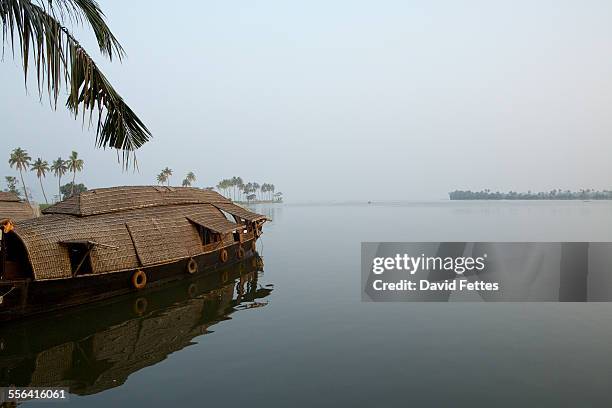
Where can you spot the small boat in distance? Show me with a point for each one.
(11, 207)
(111, 241)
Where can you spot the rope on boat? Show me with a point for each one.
(5, 294)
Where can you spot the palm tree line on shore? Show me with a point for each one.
(237, 190)
(234, 188)
(21, 161)
(556, 194)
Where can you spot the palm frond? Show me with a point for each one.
(79, 10)
(60, 60)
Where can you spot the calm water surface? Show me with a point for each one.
(297, 333)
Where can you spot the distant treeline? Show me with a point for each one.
(513, 195)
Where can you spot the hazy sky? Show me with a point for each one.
(344, 100)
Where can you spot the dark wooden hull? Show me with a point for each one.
(30, 297)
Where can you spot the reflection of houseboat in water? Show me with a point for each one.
(113, 241)
(95, 347)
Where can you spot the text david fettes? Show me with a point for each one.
(427, 264)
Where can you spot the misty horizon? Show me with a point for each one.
(344, 101)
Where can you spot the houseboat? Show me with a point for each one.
(11, 207)
(111, 241)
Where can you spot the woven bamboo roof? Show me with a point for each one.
(126, 233)
(15, 210)
(8, 196)
(240, 212)
(114, 199)
(220, 225)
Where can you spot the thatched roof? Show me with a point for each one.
(114, 199)
(127, 232)
(215, 224)
(12, 208)
(8, 196)
(240, 212)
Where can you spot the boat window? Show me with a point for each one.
(231, 217)
(207, 236)
(80, 261)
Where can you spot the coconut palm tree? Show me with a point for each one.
(240, 185)
(233, 184)
(167, 172)
(42, 31)
(247, 189)
(74, 164)
(59, 167)
(189, 179)
(21, 161)
(41, 167)
(224, 185)
(256, 188)
(161, 178)
(236, 183)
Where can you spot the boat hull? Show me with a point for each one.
(22, 298)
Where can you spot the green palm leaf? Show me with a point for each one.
(39, 29)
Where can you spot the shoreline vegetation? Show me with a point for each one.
(513, 195)
(20, 160)
(233, 188)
